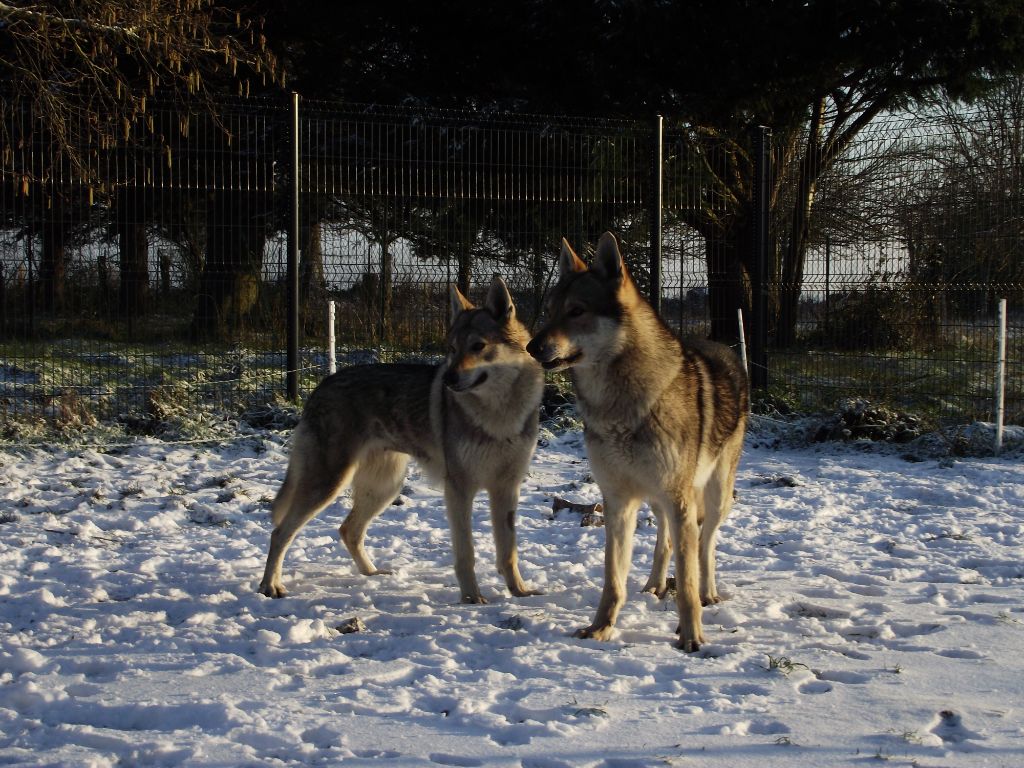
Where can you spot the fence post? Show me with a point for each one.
(383, 287)
(1001, 377)
(762, 140)
(332, 359)
(743, 341)
(657, 164)
(828, 284)
(29, 253)
(293, 261)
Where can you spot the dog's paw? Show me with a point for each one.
(691, 640)
(474, 599)
(526, 592)
(594, 633)
(381, 572)
(706, 600)
(656, 589)
(688, 646)
(273, 590)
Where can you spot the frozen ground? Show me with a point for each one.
(875, 612)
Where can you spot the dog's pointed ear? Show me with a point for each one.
(569, 262)
(459, 302)
(607, 258)
(499, 300)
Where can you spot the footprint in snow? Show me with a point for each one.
(959, 653)
(745, 689)
(847, 678)
(631, 762)
(914, 630)
(755, 727)
(814, 687)
(949, 726)
(323, 738)
(813, 611)
(459, 762)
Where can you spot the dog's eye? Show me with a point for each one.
(576, 311)
(477, 347)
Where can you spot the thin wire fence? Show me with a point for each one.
(156, 278)
(916, 232)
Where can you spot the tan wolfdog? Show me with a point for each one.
(471, 423)
(664, 422)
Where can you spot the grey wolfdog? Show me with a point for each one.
(663, 422)
(470, 422)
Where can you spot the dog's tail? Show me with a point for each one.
(292, 479)
(283, 500)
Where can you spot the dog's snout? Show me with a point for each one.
(463, 381)
(536, 347)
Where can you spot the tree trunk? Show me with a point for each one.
(133, 244)
(53, 257)
(729, 257)
(539, 275)
(791, 277)
(312, 285)
(189, 231)
(387, 268)
(464, 274)
(229, 285)
(165, 273)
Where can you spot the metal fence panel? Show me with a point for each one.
(912, 240)
(156, 276)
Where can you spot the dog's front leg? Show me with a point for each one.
(504, 501)
(686, 540)
(619, 527)
(459, 505)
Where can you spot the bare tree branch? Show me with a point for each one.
(84, 69)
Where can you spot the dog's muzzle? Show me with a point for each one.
(547, 356)
(456, 383)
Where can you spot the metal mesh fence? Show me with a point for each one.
(915, 233)
(136, 280)
(156, 275)
(400, 204)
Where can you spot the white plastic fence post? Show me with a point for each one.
(1001, 377)
(743, 340)
(332, 360)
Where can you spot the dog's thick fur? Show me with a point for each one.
(664, 422)
(471, 423)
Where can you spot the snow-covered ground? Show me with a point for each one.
(875, 611)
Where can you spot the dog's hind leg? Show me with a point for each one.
(686, 543)
(717, 503)
(375, 484)
(311, 484)
(504, 501)
(714, 514)
(657, 584)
